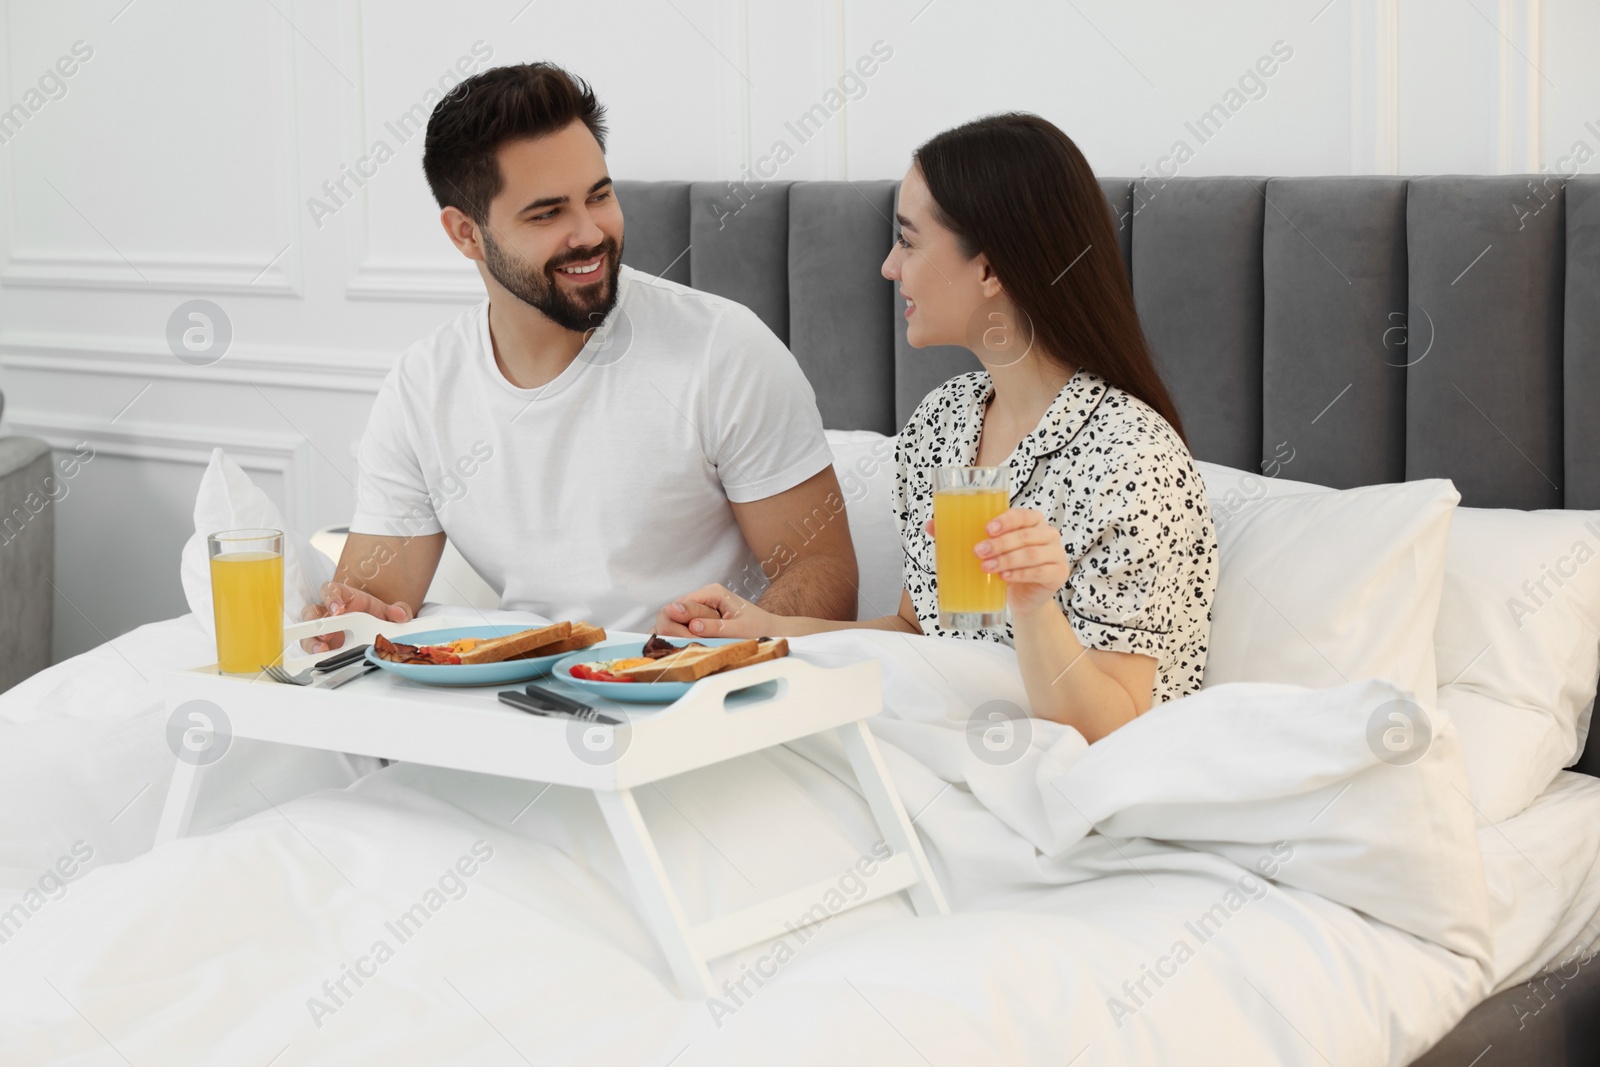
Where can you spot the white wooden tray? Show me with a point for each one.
(467, 728)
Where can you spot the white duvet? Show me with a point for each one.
(1233, 878)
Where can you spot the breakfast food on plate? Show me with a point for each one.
(662, 661)
(696, 661)
(656, 646)
(605, 670)
(525, 644)
(769, 648)
(582, 636)
(517, 644)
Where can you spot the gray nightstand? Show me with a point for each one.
(27, 556)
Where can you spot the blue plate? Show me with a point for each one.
(628, 692)
(506, 670)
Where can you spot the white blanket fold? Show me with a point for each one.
(1233, 770)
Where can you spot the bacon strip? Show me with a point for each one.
(398, 653)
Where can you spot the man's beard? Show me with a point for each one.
(577, 312)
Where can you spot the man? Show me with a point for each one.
(593, 440)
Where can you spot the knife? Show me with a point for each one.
(340, 658)
(339, 675)
(549, 698)
(535, 706)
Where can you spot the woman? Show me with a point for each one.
(1007, 246)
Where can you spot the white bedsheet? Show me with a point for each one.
(1374, 939)
(84, 758)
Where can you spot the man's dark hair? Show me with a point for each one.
(490, 108)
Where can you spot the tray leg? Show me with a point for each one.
(660, 904)
(179, 808)
(893, 822)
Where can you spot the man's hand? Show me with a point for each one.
(386, 577)
(341, 599)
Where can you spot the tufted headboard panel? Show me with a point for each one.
(1376, 329)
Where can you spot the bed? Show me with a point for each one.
(1315, 329)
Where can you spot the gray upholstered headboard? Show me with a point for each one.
(1381, 328)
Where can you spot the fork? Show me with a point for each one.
(332, 679)
(322, 666)
(283, 677)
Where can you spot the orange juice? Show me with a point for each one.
(247, 600)
(959, 517)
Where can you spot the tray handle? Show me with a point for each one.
(802, 682)
(358, 624)
(361, 627)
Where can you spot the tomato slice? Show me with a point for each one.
(594, 674)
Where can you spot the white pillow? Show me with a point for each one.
(1518, 643)
(1512, 754)
(229, 500)
(1230, 491)
(1519, 685)
(1320, 588)
(864, 463)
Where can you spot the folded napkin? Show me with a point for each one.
(229, 500)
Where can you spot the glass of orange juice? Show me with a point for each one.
(964, 500)
(247, 598)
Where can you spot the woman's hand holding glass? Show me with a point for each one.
(1026, 552)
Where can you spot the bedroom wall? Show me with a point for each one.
(169, 151)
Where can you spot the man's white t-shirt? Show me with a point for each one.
(603, 494)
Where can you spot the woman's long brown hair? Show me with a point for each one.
(1016, 188)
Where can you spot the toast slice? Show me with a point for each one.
(692, 664)
(769, 648)
(582, 636)
(518, 644)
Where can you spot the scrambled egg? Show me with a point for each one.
(619, 664)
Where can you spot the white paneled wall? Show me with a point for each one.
(266, 156)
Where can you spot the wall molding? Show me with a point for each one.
(743, 102)
(1519, 96)
(1375, 87)
(409, 282)
(342, 370)
(168, 276)
(838, 39)
(274, 273)
(286, 455)
(442, 281)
